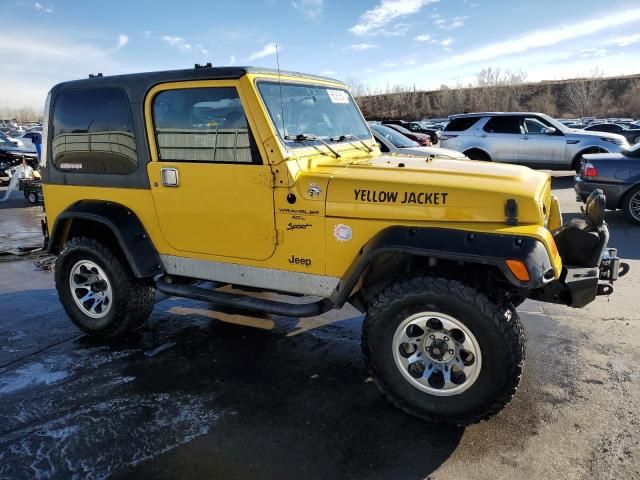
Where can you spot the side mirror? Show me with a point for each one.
(549, 131)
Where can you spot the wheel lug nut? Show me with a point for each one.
(451, 351)
(446, 339)
(432, 336)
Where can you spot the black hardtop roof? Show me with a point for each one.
(137, 84)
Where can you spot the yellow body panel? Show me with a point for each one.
(243, 214)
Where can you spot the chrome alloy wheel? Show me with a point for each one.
(90, 289)
(634, 206)
(437, 353)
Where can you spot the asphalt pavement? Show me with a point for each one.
(200, 394)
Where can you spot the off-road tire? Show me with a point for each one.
(626, 204)
(496, 326)
(133, 300)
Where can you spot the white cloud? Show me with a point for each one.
(328, 73)
(423, 38)
(268, 49)
(177, 42)
(375, 20)
(434, 41)
(309, 8)
(232, 60)
(41, 8)
(147, 33)
(628, 40)
(361, 46)
(202, 50)
(455, 22)
(541, 38)
(593, 52)
(388, 64)
(122, 41)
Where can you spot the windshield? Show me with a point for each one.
(322, 112)
(397, 139)
(555, 123)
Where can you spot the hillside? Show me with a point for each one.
(600, 97)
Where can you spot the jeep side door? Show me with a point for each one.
(538, 147)
(500, 135)
(211, 189)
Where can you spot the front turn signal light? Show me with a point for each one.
(519, 270)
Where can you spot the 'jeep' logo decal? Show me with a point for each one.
(300, 261)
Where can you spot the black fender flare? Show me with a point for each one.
(125, 226)
(450, 244)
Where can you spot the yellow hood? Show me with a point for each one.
(412, 188)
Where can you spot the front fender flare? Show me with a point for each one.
(458, 245)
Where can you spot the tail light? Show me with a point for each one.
(588, 170)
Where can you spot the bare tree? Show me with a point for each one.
(583, 94)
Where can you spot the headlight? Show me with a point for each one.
(617, 141)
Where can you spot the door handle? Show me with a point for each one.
(170, 177)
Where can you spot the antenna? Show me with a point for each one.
(284, 129)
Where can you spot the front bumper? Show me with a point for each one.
(577, 286)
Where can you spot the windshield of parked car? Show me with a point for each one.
(315, 111)
(397, 139)
(555, 123)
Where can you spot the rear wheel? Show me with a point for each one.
(636, 140)
(98, 292)
(577, 161)
(631, 205)
(442, 351)
(477, 155)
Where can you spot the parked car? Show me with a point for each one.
(27, 138)
(631, 134)
(14, 141)
(420, 138)
(11, 155)
(532, 139)
(618, 176)
(417, 127)
(391, 141)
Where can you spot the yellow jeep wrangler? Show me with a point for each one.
(215, 183)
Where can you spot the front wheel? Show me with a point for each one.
(98, 292)
(631, 205)
(443, 351)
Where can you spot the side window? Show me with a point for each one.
(383, 147)
(202, 125)
(93, 132)
(503, 124)
(534, 126)
(461, 124)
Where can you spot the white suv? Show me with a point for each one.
(532, 139)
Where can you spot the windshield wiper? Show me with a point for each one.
(305, 137)
(345, 138)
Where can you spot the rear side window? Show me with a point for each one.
(93, 132)
(202, 125)
(503, 125)
(461, 124)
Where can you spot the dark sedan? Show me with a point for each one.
(422, 139)
(631, 134)
(618, 175)
(416, 127)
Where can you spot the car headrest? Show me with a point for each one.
(594, 208)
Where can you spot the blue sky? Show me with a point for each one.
(380, 42)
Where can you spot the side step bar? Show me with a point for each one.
(244, 302)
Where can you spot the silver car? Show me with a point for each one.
(392, 141)
(532, 139)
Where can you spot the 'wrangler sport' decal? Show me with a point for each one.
(417, 198)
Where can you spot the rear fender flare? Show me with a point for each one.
(125, 226)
